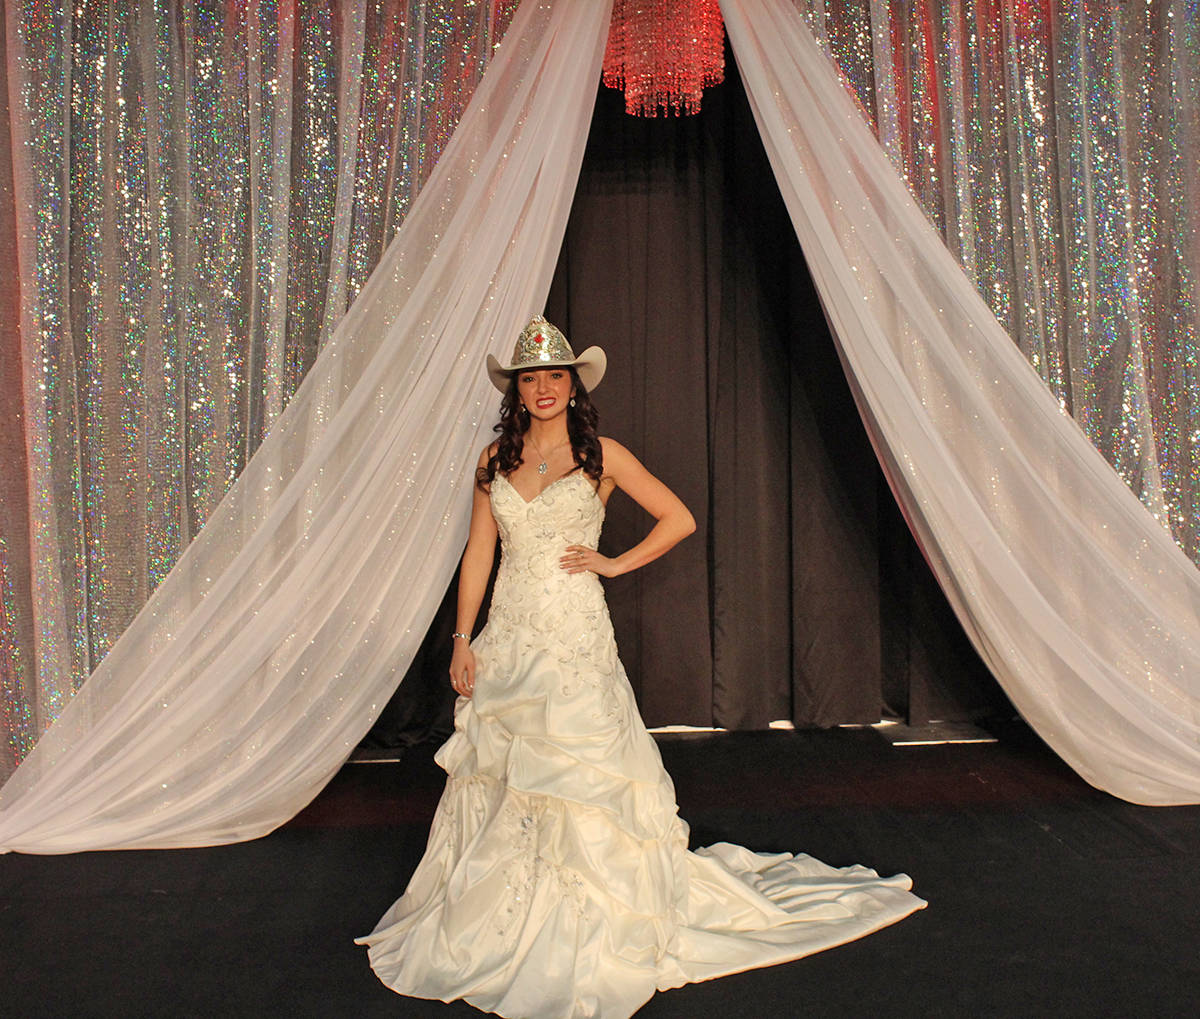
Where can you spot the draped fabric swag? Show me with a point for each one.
(261, 659)
(200, 191)
(1080, 603)
(262, 656)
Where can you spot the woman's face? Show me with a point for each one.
(545, 391)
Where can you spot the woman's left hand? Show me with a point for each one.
(581, 559)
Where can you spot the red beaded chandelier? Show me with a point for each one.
(664, 53)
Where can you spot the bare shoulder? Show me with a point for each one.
(615, 455)
(625, 471)
(621, 468)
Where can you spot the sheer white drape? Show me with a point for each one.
(197, 193)
(265, 654)
(1078, 600)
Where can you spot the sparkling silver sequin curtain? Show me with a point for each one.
(193, 192)
(198, 190)
(1052, 144)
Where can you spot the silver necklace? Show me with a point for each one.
(542, 468)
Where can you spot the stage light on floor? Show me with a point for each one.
(375, 755)
(933, 733)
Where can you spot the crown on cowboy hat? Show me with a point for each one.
(541, 345)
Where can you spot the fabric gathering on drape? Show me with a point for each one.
(260, 659)
(1079, 601)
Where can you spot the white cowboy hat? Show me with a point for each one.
(541, 345)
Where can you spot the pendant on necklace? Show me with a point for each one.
(542, 467)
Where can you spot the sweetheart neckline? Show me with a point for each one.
(565, 477)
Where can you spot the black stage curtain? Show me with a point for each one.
(801, 596)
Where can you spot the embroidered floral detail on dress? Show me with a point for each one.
(540, 609)
(521, 822)
(449, 810)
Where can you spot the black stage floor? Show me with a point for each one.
(1046, 897)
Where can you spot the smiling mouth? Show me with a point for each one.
(543, 403)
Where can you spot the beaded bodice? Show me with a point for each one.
(533, 537)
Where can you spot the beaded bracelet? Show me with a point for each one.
(465, 636)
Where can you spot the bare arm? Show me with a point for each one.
(673, 521)
(472, 583)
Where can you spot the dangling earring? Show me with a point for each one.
(524, 410)
(572, 401)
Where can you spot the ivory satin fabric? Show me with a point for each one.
(557, 880)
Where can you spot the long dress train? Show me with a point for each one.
(557, 881)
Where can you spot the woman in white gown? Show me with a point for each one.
(557, 881)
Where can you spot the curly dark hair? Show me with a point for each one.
(582, 420)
